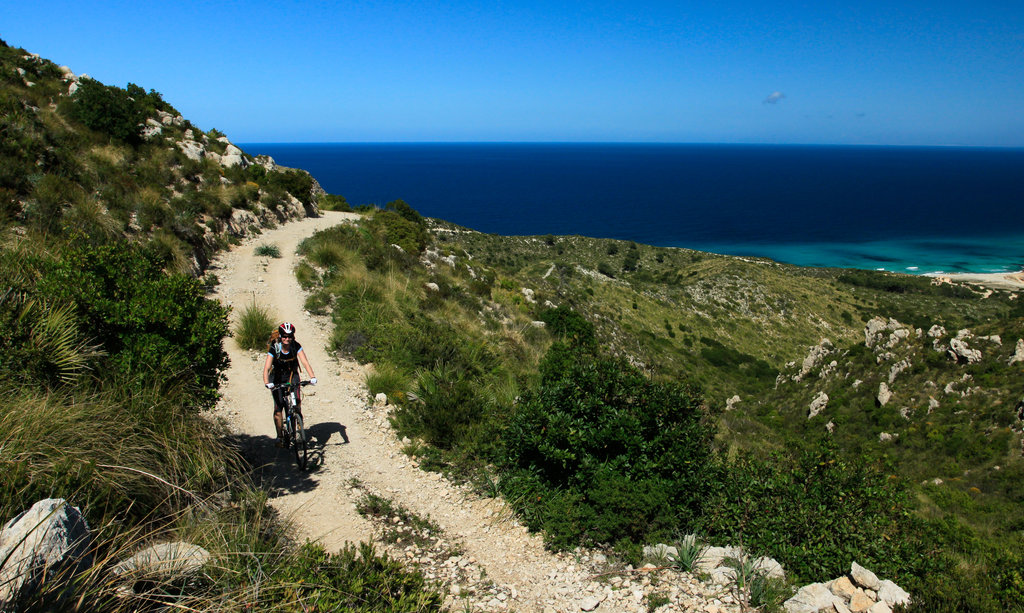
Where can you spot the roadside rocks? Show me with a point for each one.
(860, 591)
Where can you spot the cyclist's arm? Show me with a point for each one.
(266, 369)
(305, 364)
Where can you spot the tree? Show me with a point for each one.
(107, 109)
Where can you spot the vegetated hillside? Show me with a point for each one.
(110, 203)
(83, 160)
(563, 417)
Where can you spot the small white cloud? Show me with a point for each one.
(773, 98)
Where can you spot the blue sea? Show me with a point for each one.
(907, 209)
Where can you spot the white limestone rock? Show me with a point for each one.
(193, 150)
(811, 599)
(863, 577)
(1018, 352)
(884, 394)
(173, 559)
(818, 405)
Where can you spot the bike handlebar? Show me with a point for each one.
(291, 385)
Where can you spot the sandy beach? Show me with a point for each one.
(1000, 280)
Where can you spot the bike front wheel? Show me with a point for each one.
(299, 442)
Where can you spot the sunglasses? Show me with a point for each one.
(287, 337)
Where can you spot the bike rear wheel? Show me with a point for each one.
(299, 443)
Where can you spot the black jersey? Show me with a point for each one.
(286, 363)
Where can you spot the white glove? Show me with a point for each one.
(270, 386)
(313, 380)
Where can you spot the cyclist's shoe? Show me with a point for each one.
(281, 443)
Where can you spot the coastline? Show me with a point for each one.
(1013, 281)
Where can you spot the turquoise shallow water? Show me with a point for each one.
(980, 254)
(907, 209)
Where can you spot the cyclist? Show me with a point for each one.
(284, 354)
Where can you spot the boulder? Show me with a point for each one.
(873, 331)
(712, 557)
(814, 357)
(892, 594)
(843, 588)
(818, 404)
(731, 403)
(811, 599)
(1018, 352)
(769, 567)
(960, 352)
(884, 394)
(192, 149)
(863, 577)
(50, 542)
(860, 602)
(897, 368)
(162, 561)
(233, 157)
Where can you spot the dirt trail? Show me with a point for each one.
(354, 441)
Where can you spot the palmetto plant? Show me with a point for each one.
(50, 340)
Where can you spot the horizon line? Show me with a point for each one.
(623, 142)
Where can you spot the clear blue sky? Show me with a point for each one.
(859, 72)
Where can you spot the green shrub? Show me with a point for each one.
(270, 251)
(306, 276)
(815, 513)
(107, 109)
(405, 211)
(298, 183)
(446, 408)
(396, 229)
(334, 202)
(386, 378)
(354, 579)
(254, 327)
(600, 453)
(155, 327)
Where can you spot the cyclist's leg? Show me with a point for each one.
(278, 414)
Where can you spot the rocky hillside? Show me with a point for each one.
(82, 159)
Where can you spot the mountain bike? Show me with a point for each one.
(295, 433)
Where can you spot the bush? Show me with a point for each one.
(599, 452)
(255, 326)
(817, 514)
(107, 109)
(156, 328)
(446, 408)
(334, 202)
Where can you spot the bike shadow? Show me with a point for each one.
(321, 433)
(275, 470)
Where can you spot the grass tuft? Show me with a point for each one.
(272, 251)
(254, 327)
